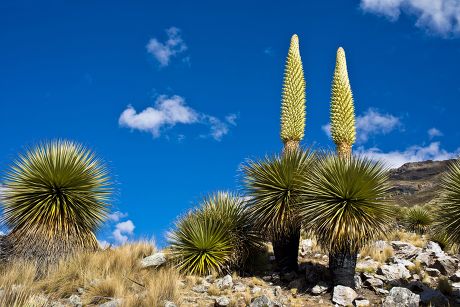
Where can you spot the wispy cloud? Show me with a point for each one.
(170, 111)
(122, 231)
(116, 216)
(371, 123)
(434, 132)
(171, 47)
(436, 16)
(415, 153)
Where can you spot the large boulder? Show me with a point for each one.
(394, 272)
(343, 295)
(369, 265)
(431, 297)
(433, 248)
(405, 250)
(262, 301)
(154, 260)
(401, 297)
(446, 265)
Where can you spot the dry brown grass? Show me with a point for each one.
(103, 275)
(377, 254)
(409, 237)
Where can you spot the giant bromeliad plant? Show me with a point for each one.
(55, 197)
(344, 203)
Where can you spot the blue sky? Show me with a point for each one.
(174, 95)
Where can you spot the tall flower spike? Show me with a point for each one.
(342, 108)
(293, 98)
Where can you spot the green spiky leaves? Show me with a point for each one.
(342, 109)
(56, 195)
(273, 185)
(418, 220)
(293, 96)
(344, 202)
(214, 237)
(449, 204)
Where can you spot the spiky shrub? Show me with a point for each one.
(273, 186)
(56, 195)
(417, 219)
(293, 98)
(342, 109)
(448, 217)
(214, 237)
(344, 205)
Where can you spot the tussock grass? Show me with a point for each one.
(102, 275)
(409, 237)
(377, 254)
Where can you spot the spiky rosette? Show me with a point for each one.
(418, 220)
(448, 219)
(342, 109)
(55, 196)
(344, 202)
(293, 97)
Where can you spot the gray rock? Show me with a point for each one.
(118, 303)
(434, 248)
(374, 283)
(362, 303)
(262, 301)
(424, 259)
(225, 282)
(306, 247)
(405, 250)
(319, 289)
(394, 272)
(75, 300)
(222, 301)
(367, 265)
(277, 291)
(401, 297)
(200, 288)
(431, 297)
(37, 300)
(380, 244)
(433, 272)
(343, 295)
(455, 277)
(239, 287)
(169, 304)
(255, 290)
(358, 281)
(154, 260)
(382, 291)
(402, 261)
(446, 265)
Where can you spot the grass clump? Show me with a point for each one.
(444, 286)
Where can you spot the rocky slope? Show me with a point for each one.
(417, 183)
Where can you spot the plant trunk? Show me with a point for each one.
(286, 250)
(342, 265)
(344, 150)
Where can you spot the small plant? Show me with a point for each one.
(444, 285)
(214, 237)
(418, 220)
(416, 268)
(55, 197)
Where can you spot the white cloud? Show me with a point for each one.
(116, 216)
(169, 111)
(371, 123)
(122, 231)
(433, 132)
(411, 154)
(438, 16)
(163, 52)
(2, 233)
(104, 244)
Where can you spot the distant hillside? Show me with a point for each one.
(417, 183)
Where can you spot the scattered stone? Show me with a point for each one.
(80, 290)
(222, 301)
(267, 278)
(394, 272)
(455, 277)
(37, 300)
(367, 265)
(255, 290)
(169, 304)
(154, 260)
(446, 265)
(118, 302)
(380, 244)
(225, 282)
(424, 258)
(358, 281)
(415, 277)
(75, 300)
(374, 283)
(277, 291)
(200, 288)
(433, 272)
(434, 248)
(306, 247)
(381, 291)
(262, 301)
(343, 295)
(239, 287)
(362, 303)
(404, 262)
(431, 297)
(401, 297)
(319, 289)
(405, 250)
